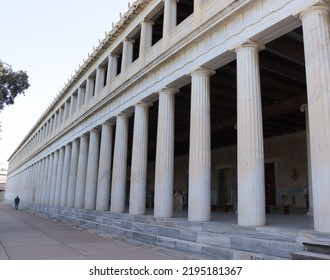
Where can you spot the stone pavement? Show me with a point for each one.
(25, 236)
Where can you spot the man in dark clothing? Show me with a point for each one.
(16, 201)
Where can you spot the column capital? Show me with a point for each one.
(143, 104)
(202, 70)
(323, 5)
(249, 44)
(124, 115)
(148, 21)
(169, 90)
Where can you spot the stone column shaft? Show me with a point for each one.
(49, 179)
(54, 174)
(81, 96)
(104, 175)
(198, 16)
(92, 169)
(251, 182)
(164, 174)
(90, 89)
(73, 173)
(59, 177)
(170, 14)
(118, 185)
(81, 172)
(199, 200)
(127, 53)
(138, 186)
(112, 67)
(146, 39)
(316, 29)
(99, 80)
(66, 173)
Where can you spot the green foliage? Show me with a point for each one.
(11, 84)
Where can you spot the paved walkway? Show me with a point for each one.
(25, 236)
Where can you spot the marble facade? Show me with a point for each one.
(86, 152)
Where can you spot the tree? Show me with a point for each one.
(11, 84)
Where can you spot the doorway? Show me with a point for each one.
(270, 185)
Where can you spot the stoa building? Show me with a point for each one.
(199, 105)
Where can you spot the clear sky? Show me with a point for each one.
(48, 39)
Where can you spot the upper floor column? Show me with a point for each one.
(250, 151)
(127, 54)
(198, 16)
(170, 14)
(316, 30)
(99, 80)
(112, 67)
(146, 39)
(199, 197)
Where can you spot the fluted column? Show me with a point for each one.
(54, 174)
(170, 14)
(104, 175)
(138, 187)
(164, 173)
(316, 30)
(73, 173)
(81, 172)
(59, 177)
(199, 198)
(49, 179)
(250, 151)
(66, 173)
(92, 169)
(118, 185)
(45, 181)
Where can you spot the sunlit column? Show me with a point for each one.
(59, 177)
(164, 174)
(118, 185)
(92, 169)
(138, 187)
(73, 173)
(316, 30)
(199, 197)
(66, 173)
(104, 175)
(250, 151)
(81, 172)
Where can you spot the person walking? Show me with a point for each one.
(16, 201)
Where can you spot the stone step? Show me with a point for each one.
(305, 255)
(208, 240)
(319, 247)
